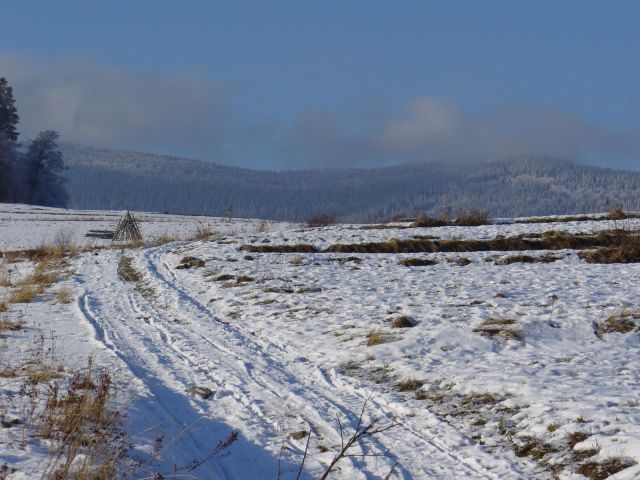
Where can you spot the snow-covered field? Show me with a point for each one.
(292, 343)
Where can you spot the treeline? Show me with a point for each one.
(28, 173)
(107, 179)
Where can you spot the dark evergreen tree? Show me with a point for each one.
(44, 161)
(6, 170)
(8, 113)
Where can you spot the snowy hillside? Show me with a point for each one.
(530, 185)
(486, 363)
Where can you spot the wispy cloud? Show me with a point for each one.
(428, 129)
(115, 107)
(189, 115)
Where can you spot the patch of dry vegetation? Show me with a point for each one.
(501, 328)
(553, 240)
(378, 337)
(617, 213)
(472, 218)
(46, 272)
(403, 321)
(190, 262)
(465, 218)
(626, 321)
(203, 233)
(64, 295)
(127, 271)
(297, 248)
(417, 262)
(604, 469)
(409, 385)
(158, 241)
(625, 250)
(547, 241)
(546, 258)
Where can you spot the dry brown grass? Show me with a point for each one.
(3, 307)
(427, 220)
(41, 373)
(378, 337)
(472, 218)
(203, 233)
(417, 262)
(190, 262)
(464, 218)
(46, 273)
(5, 274)
(126, 270)
(297, 261)
(409, 385)
(64, 296)
(625, 250)
(83, 428)
(533, 447)
(547, 258)
(604, 469)
(544, 241)
(625, 321)
(403, 321)
(616, 213)
(8, 325)
(25, 293)
(501, 328)
(297, 248)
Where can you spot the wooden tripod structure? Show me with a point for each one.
(127, 230)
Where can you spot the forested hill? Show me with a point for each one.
(108, 179)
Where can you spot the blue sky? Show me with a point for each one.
(298, 84)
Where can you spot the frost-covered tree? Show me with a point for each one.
(44, 162)
(8, 113)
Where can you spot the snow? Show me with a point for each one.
(285, 349)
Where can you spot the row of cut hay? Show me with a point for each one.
(551, 241)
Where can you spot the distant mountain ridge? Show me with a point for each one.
(110, 179)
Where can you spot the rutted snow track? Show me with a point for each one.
(171, 341)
